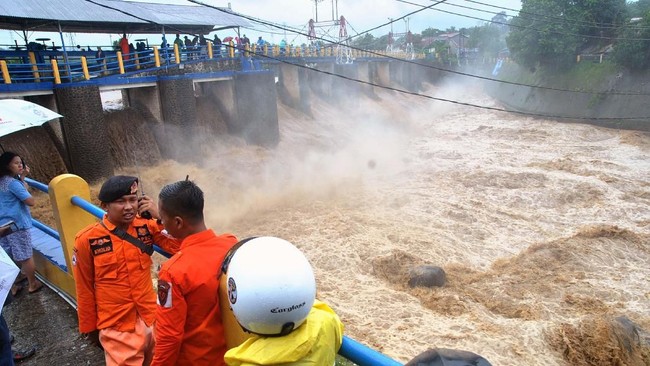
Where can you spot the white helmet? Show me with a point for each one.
(271, 285)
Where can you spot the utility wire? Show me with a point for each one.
(558, 21)
(424, 95)
(532, 114)
(349, 38)
(264, 22)
(529, 27)
(604, 25)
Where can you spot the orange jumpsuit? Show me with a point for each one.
(188, 320)
(124, 47)
(113, 276)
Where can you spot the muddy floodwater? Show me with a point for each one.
(543, 228)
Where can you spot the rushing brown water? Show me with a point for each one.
(542, 227)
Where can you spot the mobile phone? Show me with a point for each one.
(8, 228)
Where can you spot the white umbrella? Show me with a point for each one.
(17, 114)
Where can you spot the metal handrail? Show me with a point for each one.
(351, 349)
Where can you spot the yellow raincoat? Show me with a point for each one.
(314, 343)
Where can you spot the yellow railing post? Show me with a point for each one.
(32, 60)
(137, 60)
(231, 50)
(5, 72)
(266, 49)
(156, 56)
(69, 218)
(84, 66)
(210, 50)
(120, 62)
(177, 53)
(55, 72)
(246, 49)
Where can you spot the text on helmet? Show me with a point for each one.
(289, 309)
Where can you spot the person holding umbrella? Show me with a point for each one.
(14, 207)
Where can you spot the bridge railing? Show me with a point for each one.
(58, 67)
(69, 195)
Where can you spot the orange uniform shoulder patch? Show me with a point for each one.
(164, 294)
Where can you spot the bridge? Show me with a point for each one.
(165, 84)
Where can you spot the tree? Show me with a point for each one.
(431, 32)
(638, 9)
(487, 38)
(365, 42)
(631, 51)
(550, 33)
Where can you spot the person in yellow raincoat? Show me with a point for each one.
(316, 342)
(272, 290)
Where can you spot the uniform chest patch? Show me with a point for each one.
(144, 235)
(164, 294)
(101, 245)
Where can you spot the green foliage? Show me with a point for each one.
(553, 42)
(638, 9)
(431, 32)
(489, 39)
(631, 52)
(365, 42)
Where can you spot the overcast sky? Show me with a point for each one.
(360, 14)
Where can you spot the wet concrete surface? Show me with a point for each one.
(45, 321)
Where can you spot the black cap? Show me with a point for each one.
(116, 187)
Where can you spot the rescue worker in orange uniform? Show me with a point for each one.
(189, 330)
(115, 295)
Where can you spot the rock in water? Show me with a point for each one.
(427, 276)
(447, 357)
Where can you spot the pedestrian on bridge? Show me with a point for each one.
(15, 201)
(112, 271)
(124, 47)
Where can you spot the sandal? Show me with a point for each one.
(19, 356)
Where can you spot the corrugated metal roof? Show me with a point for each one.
(109, 16)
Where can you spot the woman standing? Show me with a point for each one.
(14, 199)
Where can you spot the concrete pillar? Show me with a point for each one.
(289, 85)
(293, 87)
(257, 111)
(403, 74)
(84, 131)
(414, 74)
(145, 98)
(344, 90)
(320, 83)
(222, 93)
(365, 72)
(53, 128)
(179, 117)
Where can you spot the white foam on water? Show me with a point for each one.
(537, 223)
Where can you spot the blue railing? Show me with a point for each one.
(352, 350)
